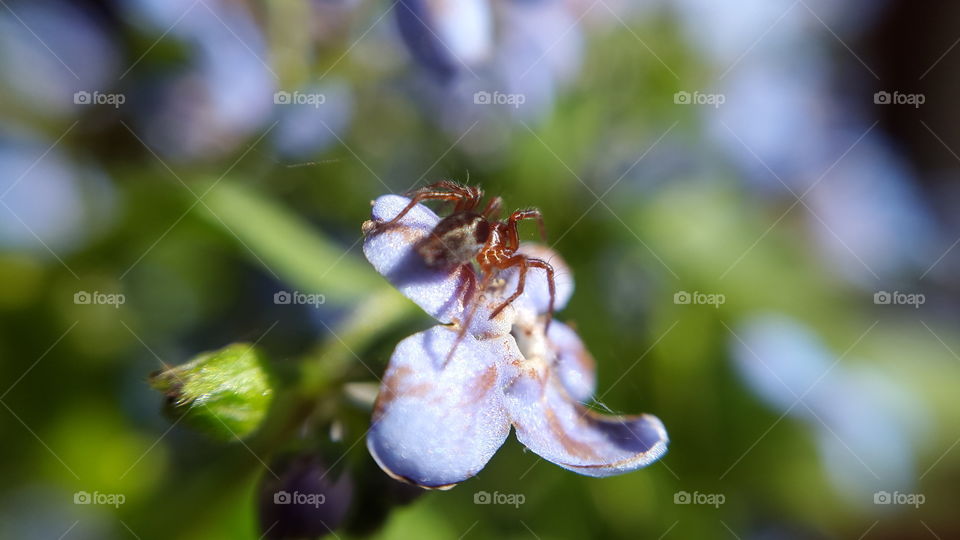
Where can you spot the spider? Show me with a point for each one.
(467, 235)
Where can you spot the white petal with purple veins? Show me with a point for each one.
(550, 423)
(446, 294)
(437, 424)
(391, 252)
(574, 364)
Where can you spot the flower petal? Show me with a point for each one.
(435, 425)
(574, 364)
(443, 293)
(549, 422)
(390, 251)
(559, 350)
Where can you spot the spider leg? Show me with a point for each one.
(444, 185)
(423, 196)
(551, 286)
(473, 197)
(445, 190)
(469, 197)
(468, 194)
(519, 215)
(492, 210)
(466, 197)
(473, 301)
(522, 262)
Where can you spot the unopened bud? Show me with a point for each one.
(225, 393)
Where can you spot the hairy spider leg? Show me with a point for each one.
(551, 286)
(469, 196)
(512, 229)
(474, 301)
(450, 185)
(444, 190)
(516, 260)
(471, 201)
(492, 210)
(525, 263)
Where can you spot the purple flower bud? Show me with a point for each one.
(308, 500)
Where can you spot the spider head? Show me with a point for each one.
(456, 240)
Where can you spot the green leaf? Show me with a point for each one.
(226, 393)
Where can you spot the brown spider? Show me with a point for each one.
(466, 235)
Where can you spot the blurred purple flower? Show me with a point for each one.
(51, 204)
(48, 51)
(867, 425)
(437, 421)
(442, 35)
(223, 96)
(303, 129)
(490, 64)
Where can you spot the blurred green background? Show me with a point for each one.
(167, 168)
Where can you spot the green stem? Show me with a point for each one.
(298, 253)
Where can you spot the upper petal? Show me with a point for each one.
(436, 425)
(391, 252)
(549, 422)
(446, 294)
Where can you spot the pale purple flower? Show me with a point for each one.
(438, 420)
(868, 426)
